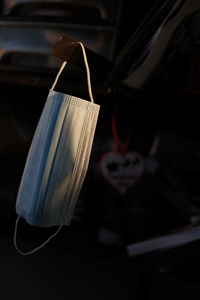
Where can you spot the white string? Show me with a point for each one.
(58, 75)
(87, 71)
(37, 248)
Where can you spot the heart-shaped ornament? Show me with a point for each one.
(121, 171)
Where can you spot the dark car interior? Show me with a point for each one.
(135, 230)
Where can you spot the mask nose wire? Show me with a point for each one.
(87, 72)
(92, 100)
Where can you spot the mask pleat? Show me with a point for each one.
(32, 175)
(63, 163)
(82, 161)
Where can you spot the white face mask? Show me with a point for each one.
(58, 160)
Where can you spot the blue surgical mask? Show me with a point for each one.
(58, 160)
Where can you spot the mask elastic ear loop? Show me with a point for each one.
(92, 100)
(87, 71)
(58, 75)
(37, 248)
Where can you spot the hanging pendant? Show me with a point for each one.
(121, 168)
(121, 171)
